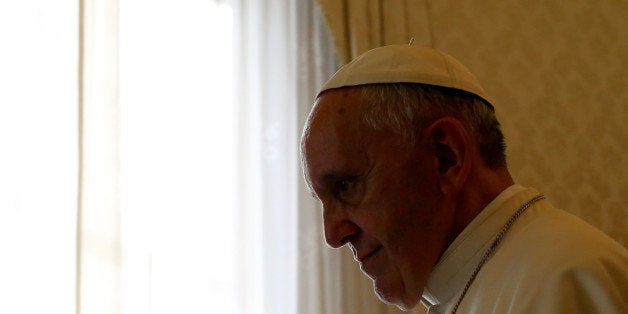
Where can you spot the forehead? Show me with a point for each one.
(335, 137)
(337, 110)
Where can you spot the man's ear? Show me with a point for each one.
(451, 145)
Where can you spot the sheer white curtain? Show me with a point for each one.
(178, 157)
(38, 155)
(136, 199)
(98, 212)
(266, 55)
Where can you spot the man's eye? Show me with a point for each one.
(348, 189)
(342, 186)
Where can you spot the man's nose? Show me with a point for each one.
(339, 228)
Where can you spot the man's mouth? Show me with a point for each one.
(364, 257)
(367, 264)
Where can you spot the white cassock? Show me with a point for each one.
(549, 261)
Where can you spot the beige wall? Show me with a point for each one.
(558, 74)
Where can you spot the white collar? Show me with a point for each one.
(462, 256)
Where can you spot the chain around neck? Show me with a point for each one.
(494, 245)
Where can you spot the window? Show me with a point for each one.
(38, 155)
(177, 145)
(134, 178)
(178, 157)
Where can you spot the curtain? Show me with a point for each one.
(38, 155)
(358, 25)
(119, 271)
(154, 212)
(98, 227)
(268, 169)
(282, 55)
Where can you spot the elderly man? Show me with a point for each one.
(404, 152)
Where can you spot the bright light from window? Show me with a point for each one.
(38, 155)
(178, 155)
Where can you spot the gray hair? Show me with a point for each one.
(404, 108)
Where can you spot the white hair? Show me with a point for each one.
(404, 108)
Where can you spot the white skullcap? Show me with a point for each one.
(406, 64)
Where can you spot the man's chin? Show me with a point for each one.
(405, 303)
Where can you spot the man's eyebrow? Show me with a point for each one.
(334, 175)
(325, 179)
(331, 177)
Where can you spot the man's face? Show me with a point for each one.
(379, 195)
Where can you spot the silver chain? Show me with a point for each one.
(494, 245)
